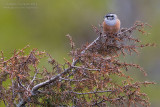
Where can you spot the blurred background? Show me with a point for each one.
(44, 24)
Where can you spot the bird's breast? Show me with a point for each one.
(111, 28)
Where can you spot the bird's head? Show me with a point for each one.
(111, 17)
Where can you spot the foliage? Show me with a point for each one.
(87, 80)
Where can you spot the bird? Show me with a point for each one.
(111, 24)
(108, 43)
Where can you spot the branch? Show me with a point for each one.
(21, 103)
(130, 29)
(43, 84)
(94, 92)
(73, 80)
(103, 100)
(91, 44)
(86, 68)
(34, 77)
(40, 85)
(119, 34)
(20, 84)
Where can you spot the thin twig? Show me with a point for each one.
(13, 96)
(20, 84)
(34, 77)
(86, 68)
(103, 100)
(91, 44)
(73, 80)
(91, 92)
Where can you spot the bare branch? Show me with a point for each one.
(40, 85)
(73, 80)
(103, 100)
(86, 68)
(20, 84)
(91, 44)
(34, 77)
(91, 92)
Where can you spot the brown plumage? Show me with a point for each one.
(111, 29)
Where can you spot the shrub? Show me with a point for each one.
(87, 80)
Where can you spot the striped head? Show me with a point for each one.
(110, 19)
